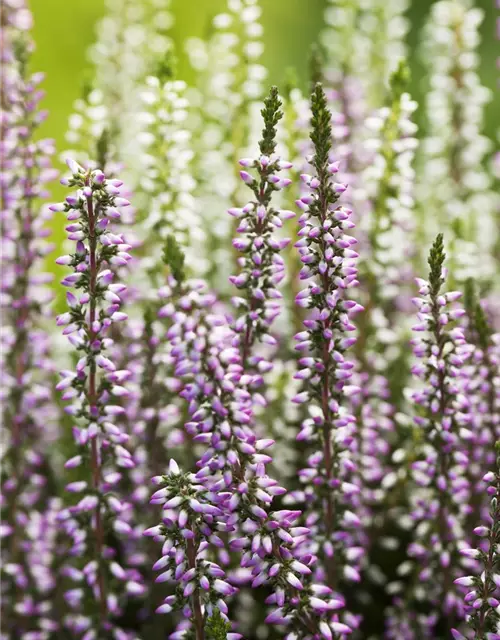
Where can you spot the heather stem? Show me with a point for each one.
(95, 455)
(197, 612)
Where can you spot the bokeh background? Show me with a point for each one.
(64, 29)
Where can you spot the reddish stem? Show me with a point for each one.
(197, 612)
(94, 456)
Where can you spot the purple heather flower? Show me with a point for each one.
(262, 267)
(483, 592)
(29, 415)
(231, 491)
(441, 491)
(329, 268)
(92, 394)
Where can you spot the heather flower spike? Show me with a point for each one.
(441, 490)
(483, 616)
(29, 415)
(262, 267)
(329, 271)
(483, 387)
(230, 493)
(93, 391)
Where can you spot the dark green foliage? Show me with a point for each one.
(479, 326)
(436, 260)
(166, 68)
(216, 627)
(321, 134)
(102, 149)
(399, 82)
(316, 62)
(291, 81)
(174, 258)
(87, 87)
(272, 114)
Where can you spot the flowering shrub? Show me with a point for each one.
(273, 418)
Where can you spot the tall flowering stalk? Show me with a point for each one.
(329, 264)
(93, 391)
(486, 362)
(453, 182)
(482, 599)
(262, 267)
(131, 38)
(189, 526)
(228, 92)
(89, 131)
(231, 491)
(29, 416)
(482, 390)
(363, 42)
(167, 179)
(389, 184)
(441, 493)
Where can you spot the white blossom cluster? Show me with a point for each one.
(167, 180)
(226, 114)
(455, 184)
(365, 39)
(131, 39)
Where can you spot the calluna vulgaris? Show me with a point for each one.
(265, 402)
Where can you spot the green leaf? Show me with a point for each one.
(271, 114)
(321, 134)
(166, 68)
(399, 81)
(173, 257)
(216, 627)
(436, 260)
(316, 63)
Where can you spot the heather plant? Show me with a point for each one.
(251, 436)
(30, 416)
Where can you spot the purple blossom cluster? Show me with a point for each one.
(329, 491)
(231, 493)
(446, 417)
(29, 415)
(261, 266)
(321, 469)
(482, 600)
(93, 390)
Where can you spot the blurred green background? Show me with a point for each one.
(64, 29)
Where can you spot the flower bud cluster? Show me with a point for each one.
(233, 479)
(482, 388)
(190, 525)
